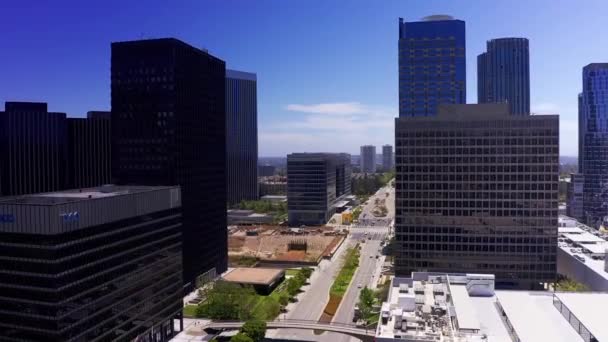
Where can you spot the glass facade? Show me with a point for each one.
(503, 74)
(315, 183)
(241, 136)
(477, 192)
(169, 128)
(432, 65)
(368, 159)
(593, 142)
(64, 280)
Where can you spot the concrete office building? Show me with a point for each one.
(169, 128)
(89, 151)
(368, 159)
(33, 149)
(100, 264)
(477, 192)
(503, 74)
(316, 184)
(387, 157)
(593, 142)
(432, 64)
(575, 196)
(241, 136)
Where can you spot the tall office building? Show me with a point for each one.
(368, 159)
(432, 64)
(575, 196)
(387, 157)
(241, 136)
(593, 139)
(316, 182)
(33, 149)
(98, 264)
(89, 151)
(168, 128)
(503, 74)
(477, 192)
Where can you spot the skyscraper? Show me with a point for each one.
(503, 74)
(575, 196)
(477, 192)
(33, 149)
(241, 136)
(89, 161)
(432, 64)
(593, 139)
(168, 128)
(387, 157)
(99, 264)
(368, 159)
(316, 182)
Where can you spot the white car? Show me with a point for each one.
(359, 286)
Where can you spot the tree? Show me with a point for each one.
(240, 337)
(227, 301)
(256, 329)
(283, 299)
(366, 301)
(292, 286)
(567, 284)
(307, 272)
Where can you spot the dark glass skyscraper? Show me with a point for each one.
(169, 128)
(503, 74)
(98, 264)
(33, 149)
(241, 136)
(315, 183)
(593, 140)
(432, 64)
(476, 191)
(89, 151)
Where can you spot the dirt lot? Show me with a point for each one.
(271, 243)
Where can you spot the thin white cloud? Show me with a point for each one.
(336, 108)
(329, 127)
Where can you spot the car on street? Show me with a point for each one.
(359, 286)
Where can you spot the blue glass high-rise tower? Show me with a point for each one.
(503, 74)
(593, 128)
(432, 65)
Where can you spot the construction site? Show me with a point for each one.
(282, 245)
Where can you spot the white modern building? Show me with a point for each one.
(581, 254)
(465, 307)
(368, 159)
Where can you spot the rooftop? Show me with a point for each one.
(253, 276)
(77, 195)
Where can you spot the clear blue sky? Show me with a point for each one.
(327, 70)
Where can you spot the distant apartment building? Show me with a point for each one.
(241, 136)
(266, 170)
(387, 157)
(99, 264)
(477, 192)
(593, 142)
(368, 159)
(169, 128)
(316, 184)
(575, 196)
(503, 74)
(33, 149)
(432, 64)
(89, 151)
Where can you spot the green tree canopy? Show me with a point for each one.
(256, 329)
(240, 337)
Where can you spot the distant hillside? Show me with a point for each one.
(568, 160)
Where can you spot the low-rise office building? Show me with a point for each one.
(429, 307)
(99, 264)
(247, 217)
(316, 183)
(581, 254)
(273, 185)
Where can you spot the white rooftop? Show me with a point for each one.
(583, 237)
(590, 309)
(465, 313)
(595, 248)
(534, 318)
(564, 230)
